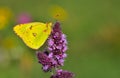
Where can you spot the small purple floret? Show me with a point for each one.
(62, 74)
(47, 62)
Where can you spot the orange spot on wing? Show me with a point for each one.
(31, 27)
(45, 30)
(34, 34)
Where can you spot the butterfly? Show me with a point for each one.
(33, 34)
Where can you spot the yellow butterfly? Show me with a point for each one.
(33, 34)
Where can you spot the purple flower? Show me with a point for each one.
(57, 44)
(62, 74)
(54, 57)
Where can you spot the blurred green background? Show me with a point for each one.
(93, 33)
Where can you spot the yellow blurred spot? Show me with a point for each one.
(8, 43)
(58, 13)
(26, 62)
(5, 15)
(110, 33)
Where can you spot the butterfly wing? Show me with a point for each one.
(33, 34)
